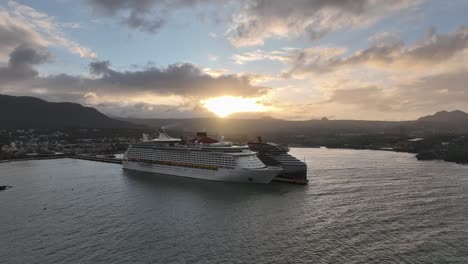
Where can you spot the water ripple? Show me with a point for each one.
(360, 207)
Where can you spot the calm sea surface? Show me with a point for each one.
(360, 207)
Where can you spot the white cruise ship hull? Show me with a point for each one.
(261, 175)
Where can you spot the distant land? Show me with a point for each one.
(456, 116)
(441, 122)
(31, 112)
(74, 129)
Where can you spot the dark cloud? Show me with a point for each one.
(144, 15)
(114, 6)
(387, 52)
(21, 62)
(135, 20)
(25, 56)
(12, 34)
(99, 67)
(146, 110)
(255, 20)
(176, 79)
(261, 19)
(439, 47)
(435, 48)
(125, 93)
(184, 79)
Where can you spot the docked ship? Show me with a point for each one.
(272, 154)
(201, 158)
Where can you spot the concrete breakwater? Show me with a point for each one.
(62, 156)
(38, 157)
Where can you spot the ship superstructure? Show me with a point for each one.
(219, 161)
(271, 154)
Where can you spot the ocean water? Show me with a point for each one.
(360, 207)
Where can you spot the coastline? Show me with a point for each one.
(421, 156)
(426, 155)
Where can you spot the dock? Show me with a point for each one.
(94, 158)
(63, 156)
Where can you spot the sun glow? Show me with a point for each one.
(226, 105)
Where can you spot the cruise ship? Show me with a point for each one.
(201, 158)
(271, 154)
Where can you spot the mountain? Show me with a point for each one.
(269, 126)
(455, 122)
(456, 116)
(31, 112)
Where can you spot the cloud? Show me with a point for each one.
(13, 34)
(444, 90)
(180, 86)
(424, 95)
(212, 35)
(148, 110)
(99, 67)
(283, 55)
(368, 98)
(295, 58)
(21, 62)
(386, 51)
(180, 79)
(23, 24)
(263, 19)
(212, 57)
(145, 15)
(72, 25)
(254, 21)
(215, 72)
(388, 79)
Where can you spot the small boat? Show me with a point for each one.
(4, 187)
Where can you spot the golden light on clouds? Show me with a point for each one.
(226, 105)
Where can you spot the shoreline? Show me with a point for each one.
(419, 156)
(119, 161)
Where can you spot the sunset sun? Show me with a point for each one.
(226, 105)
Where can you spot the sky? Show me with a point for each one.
(295, 59)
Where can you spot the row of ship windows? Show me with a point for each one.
(224, 165)
(217, 157)
(177, 164)
(180, 156)
(223, 160)
(174, 152)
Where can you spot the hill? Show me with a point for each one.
(31, 112)
(442, 122)
(456, 116)
(269, 126)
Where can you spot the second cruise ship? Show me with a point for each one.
(202, 158)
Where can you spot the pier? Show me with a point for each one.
(63, 156)
(94, 158)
